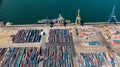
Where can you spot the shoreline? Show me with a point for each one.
(45, 25)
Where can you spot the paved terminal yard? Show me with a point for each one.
(71, 46)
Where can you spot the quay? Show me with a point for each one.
(74, 49)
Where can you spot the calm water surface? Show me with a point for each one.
(30, 11)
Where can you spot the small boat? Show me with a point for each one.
(8, 24)
(43, 21)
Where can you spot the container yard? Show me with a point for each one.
(60, 56)
(112, 34)
(118, 55)
(26, 36)
(88, 36)
(59, 35)
(59, 46)
(20, 57)
(98, 59)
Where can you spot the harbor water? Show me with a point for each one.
(29, 11)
